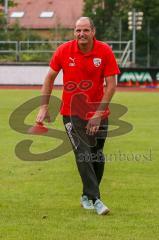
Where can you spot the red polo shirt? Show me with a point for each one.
(83, 76)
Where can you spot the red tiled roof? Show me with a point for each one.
(65, 13)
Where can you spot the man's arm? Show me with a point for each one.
(108, 94)
(46, 92)
(94, 122)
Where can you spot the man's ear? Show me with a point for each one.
(74, 33)
(94, 31)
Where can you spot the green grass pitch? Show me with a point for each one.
(39, 200)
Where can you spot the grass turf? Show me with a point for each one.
(40, 200)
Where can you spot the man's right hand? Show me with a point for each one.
(43, 114)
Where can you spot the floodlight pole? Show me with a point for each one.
(134, 36)
(6, 12)
(135, 23)
(148, 43)
(6, 7)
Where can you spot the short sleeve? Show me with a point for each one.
(55, 62)
(111, 66)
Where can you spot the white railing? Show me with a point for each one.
(126, 57)
(122, 49)
(9, 47)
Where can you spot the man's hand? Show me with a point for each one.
(94, 124)
(43, 114)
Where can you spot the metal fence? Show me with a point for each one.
(41, 51)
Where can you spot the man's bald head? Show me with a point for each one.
(86, 19)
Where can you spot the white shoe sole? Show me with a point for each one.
(105, 212)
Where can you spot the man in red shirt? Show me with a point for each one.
(86, 64)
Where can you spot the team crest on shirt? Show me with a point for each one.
(97, 62)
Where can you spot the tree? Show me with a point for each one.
(3, 21)
(109, 14)
(10, 2)
(148, 39)
(102, 12)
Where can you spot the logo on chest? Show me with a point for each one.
(71, 62)
(97, 62)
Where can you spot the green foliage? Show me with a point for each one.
(111, 17)
(16, 33)
(101, 15)
(35, 57)
(10, 2)
(151, 19)
(3, 22)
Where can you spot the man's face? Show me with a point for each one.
(83, 32)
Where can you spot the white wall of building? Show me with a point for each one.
(25, 75)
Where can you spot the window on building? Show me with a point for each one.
(46, 14)
(17, 14)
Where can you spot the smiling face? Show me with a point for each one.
(84, 33)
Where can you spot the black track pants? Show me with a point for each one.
(88, 151)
